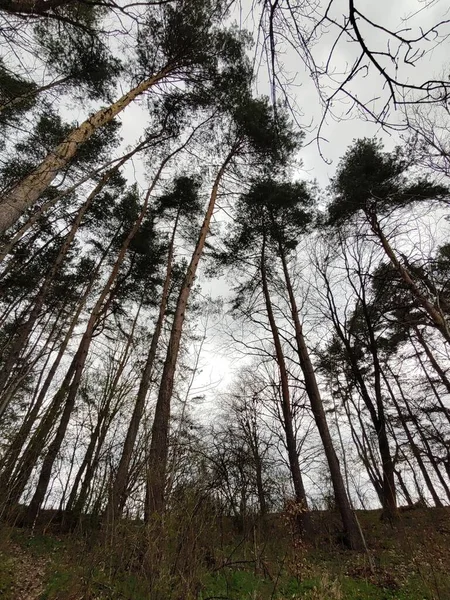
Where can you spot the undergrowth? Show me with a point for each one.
(200, 557)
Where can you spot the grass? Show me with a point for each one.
(410, 561)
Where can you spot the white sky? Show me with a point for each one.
(339, 132)
(218, 369)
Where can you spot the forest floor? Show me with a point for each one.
(408, 561)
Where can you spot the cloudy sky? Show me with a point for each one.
(345, 122)
(339, 129)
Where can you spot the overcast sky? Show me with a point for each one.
(337, 132)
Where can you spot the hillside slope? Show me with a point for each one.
(407, 561)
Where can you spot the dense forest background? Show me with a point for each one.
(330, 301)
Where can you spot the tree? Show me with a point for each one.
(381, 51)
(274, 215)
(372, 182)
(72, 380)
(260, 139)
(358, 342)
(180, 203)
(177, 42)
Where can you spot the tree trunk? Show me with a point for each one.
(423, 438)
(390, 510)
(351, 527)
(414, 449)
(25, 193)
(35, 92)
(404, 488)
(38, 301)
(116, 498)
(260, 485)
(6, 248)
(99, 429)
(376, 412)
(434, 313)
(364, 449)
(34, 448)
(158, 454)
(80, 360)
(436, 366)
(304, 519)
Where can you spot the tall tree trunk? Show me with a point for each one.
(364, 447)
(92, 462)
(304, 519)
(117, 495)
(159, 446)
(99, 427)
(404, 488)
(80, 358)
(436, 366)
(351, 527)
(24, 331)
(8, 461)
(414, 449)
(25, 193)
(34, 448)
(6, 248)
(35, 352)
(423, 438)
(376, 411)
(259, 480)
(390, 510)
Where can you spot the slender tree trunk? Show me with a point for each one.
(6, 248)
(82, 352)
(87, 459)
(442, 439)
(414, 449)
(79, 362)
(34, 448)
(68, 474)
(26, 366)
(404, 488)
(116, 498)
(12, 453)
(376, 411)
(389, 501)
(390, 510)
(102, 416)
(436, 366)
(260, 484)
(423, 438)
(38, 301)
(304, 519)
(25, 193)
(79, 505)
(159, 446)
(364, 448)
(351, 527)
(35, 92)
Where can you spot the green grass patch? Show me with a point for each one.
(60, 582)
(246, 585)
